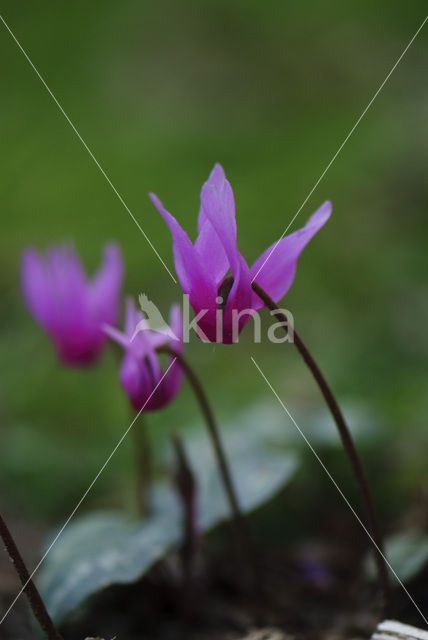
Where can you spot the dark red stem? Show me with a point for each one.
(187, 490)
(347, 441)
(240, 523)
(34, 597)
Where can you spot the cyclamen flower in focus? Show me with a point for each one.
(203, 267)
(70, 307)
(140, 372)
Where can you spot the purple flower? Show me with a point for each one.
(214, 274)
(140, 371)
(67, 305)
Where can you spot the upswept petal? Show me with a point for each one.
(37, 289)
(174, 376)
(208, 244)
(135, 325)
(211, 252)
(75, 328)
(66, 305)
(106, 285)
(190, 271)
(132, 318)
(140, 370)
(117, 336)
(275, 269)
(218, 206)
(176, 325)
(142, 340)
(171, 383)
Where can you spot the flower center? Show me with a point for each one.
(223, 292)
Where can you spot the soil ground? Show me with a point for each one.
(313, 591)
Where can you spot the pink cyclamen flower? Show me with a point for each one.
(70, 307)
(140, 371)
(203, 268)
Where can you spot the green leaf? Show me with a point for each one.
(99, 550)
(407, 553)
(258, 472)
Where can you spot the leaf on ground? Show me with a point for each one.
(102, 549)
(407, 553)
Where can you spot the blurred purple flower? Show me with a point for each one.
(140, 370)
(203, 268)
(67, 305)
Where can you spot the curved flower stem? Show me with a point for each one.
(34, 597)
(239, 521)
(347, 441)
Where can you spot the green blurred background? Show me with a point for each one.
(160, 91)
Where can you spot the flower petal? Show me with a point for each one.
(211, 252)
(106, 285)
(274, 270)
(174, 376)
(190, 271)
(116, 335)
(135, 380)
(238, 301)
(176, 324)
(138, 330)
(132, 317)
(218, 206)
(37, 289)
(74, 320)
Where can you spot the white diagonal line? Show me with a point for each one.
(340, 491)
(86, 492)
(121, 200)
(343, 143)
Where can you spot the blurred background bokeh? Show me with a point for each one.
(160, 91)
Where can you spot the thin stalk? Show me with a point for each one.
(186, 488)
(347, 441)
(143, 461)
(240, 523)
(34, 597)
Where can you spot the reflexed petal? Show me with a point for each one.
(208, 244)
(176, 324)
(219, 208)
(155, 327)
(37, 288)
(218, 205)
(211, 252)
(275, 269)
(69, 279)
(157, 338)
(131, 317)
(66, 305)
(190, 271)
(140, 371)
(116, 335)
(142, 341)
(74, 321)
(174, 376)
(106, 285)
